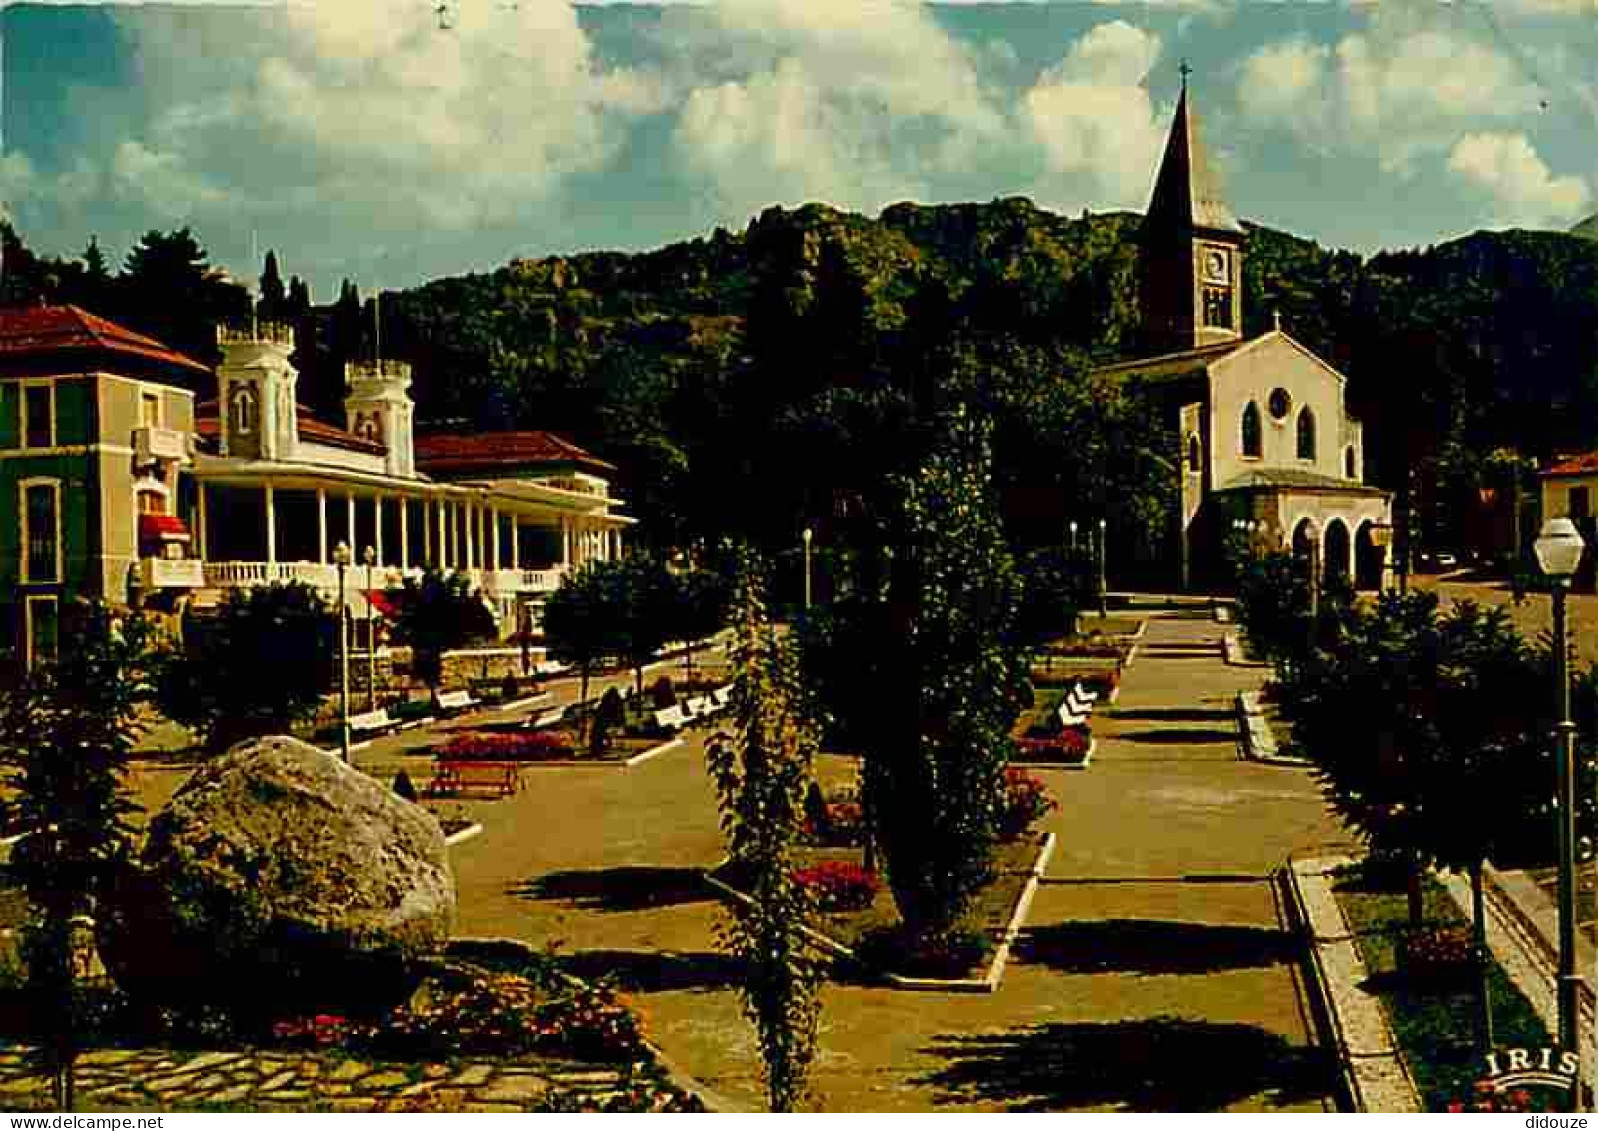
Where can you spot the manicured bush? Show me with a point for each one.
(1026, 802)
(953, 954)
(839, 886)
(534, 746)
(838, 823)
(662, 694)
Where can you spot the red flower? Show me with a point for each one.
(839, 886)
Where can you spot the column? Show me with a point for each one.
(204, 528)
(493, 543)
(321, 525)
(405, 533)
(271, 525)
(427, 531)
(515, 544)
(474, 549)
(377, 528)
(566, 544)
(349, 525)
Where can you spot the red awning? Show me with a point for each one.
(381, 602)
(167, 527)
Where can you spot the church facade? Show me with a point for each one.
(1271, 458)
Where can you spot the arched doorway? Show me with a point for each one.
(1304, 539)
(1369, 558)
(1339, 556)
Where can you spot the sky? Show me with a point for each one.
(361, 139)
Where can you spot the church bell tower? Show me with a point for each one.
(1191, 254)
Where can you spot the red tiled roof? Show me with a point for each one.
(208, 422)
(1584, 464)
(497, 451)
(41, 330)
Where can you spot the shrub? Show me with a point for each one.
(610, 716)
(1026, 802)
(662, 693)
(838, 886)
(533, 746)
(1436, 955)
(952, 954)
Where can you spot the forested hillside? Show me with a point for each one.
(756, 381)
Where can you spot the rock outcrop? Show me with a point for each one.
(279, 881)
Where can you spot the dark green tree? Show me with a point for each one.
(581, 623)
(761, 773)
(934, 770)
(67, 733)
(645, 599)
(168, 290)
(273, 297)
(698, 608)
(289, 635)
(439, 611)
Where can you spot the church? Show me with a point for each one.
(1270, 455)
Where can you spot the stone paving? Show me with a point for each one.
(163, 1080)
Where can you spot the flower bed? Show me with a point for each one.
(525, 746)
(1068, 747)
(838, 885)
(1026, 802)
(841, 825)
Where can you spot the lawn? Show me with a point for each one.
(1434, 1025)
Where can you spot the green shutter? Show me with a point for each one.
(10, 414)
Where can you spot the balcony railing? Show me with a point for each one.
(171, 573)
(500, 582)
(151, 444)
(226, 575)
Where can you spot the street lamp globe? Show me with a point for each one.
(341, 554)
(1559, 547)
(370, 557)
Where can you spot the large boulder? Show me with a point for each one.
(279, 881)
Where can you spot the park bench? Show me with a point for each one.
(453, 702)
(548, 667)
(671, 720)
(474, 779)
(548, 718)
(370, 724)
(700, 708)
(1067, 717)
(723, 697)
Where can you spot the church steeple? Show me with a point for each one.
(1192, 247)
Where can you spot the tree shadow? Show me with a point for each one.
(1150, 946)
(1159, 1064)
(656, 971)
(1176, 715)
(1179, 736)
(633, 888)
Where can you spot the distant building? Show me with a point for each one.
(1268, 448)
(1569, 490)
(114, 485)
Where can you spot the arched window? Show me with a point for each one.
(1306, 433)
(1251, 429)
(1350, 469)
(244, 411)
(1194, 454)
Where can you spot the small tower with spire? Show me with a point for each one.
(1191, 254)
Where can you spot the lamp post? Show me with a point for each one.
(371, 633)
(341, 558)
(1559, 548)
(1073, 535)
(807, 534)
(1104, 585)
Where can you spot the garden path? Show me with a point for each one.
(1155, 973)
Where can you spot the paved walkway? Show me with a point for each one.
(1154, 974)
(164, 1080)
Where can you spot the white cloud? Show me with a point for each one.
(1093, 118)
(1404, 88)
(1513, 177)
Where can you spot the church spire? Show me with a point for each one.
(1186, 192)
(1192, 250)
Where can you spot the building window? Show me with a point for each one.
(43, 630)
(1350, 463)
(38, 416)
(150, 410)
(41, 532)
(1195, 455)
(1251, 430)
(1306, 433)
(151, 502)
(1217, 307)
(1280, 403)
(1580, 503)
(244, 411)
